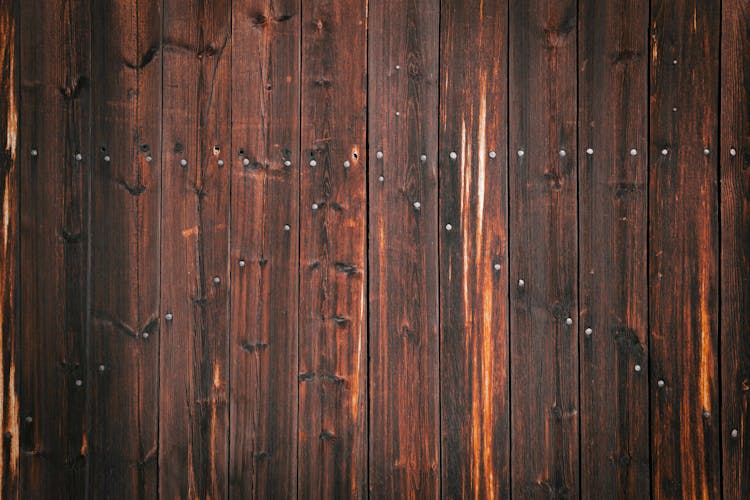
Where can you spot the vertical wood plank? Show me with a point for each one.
(403, 262)
(193, 424)
(735, 247)
(474, 250)
(9, 255)
(333, 246)
(543, 249)
(264, 253)
(125, 200)
(613, 191)
(683, 248)
(55, 92)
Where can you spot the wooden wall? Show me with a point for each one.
(386, 249)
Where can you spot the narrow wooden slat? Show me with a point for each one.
(264, 254)
(125, 201)
(543, 249)
(683, 248)
(193, 404)
(735, 247)
(333, 246)
(474, 250)
(55, 64)
(403, 256)
(613, 191)
(9, 255)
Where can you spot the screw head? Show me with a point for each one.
(347, 164)
(493, 154)
(706, 151)
(314, 206)
(217, 280)
(220, 163)
(660, 383)
(79, 157)
(588, 331)
(637, 368)
(145, 335)
(453, 155)
(287, 227)
(633, 152)
(706, 414)
(496, 266)
(313, 163)
(398, 67)
(664, 152)
(246, 161)
(521, 153)
(398, 114)
(381, 178)
(287, 163)
(423, 158)
(79, 382)
(183, 162)
(735, 433)
(569, 321)
(107, 158)
(34, 152)
(29, 419)
(242, 263)
(168, 316)
(150, 158)
(521, 283)
(417, 205)
(101, 368)
(589, 151)
(563, 153)
(674, 110)
(674, 61)
(449, 227)
(379, 155)
(733, 152)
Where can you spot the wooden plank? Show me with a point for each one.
(474, 392)
(9, 255)
(193, 424)
(264, 248)
(543, 249)
(613, 197)
(735, 248)
(404, 447)
(333, 248)
(683, 248)
(54, 164)
(125, 201)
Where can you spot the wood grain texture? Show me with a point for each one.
(683, 248)
(53, 50)
(264, 254)
(735, 248)
(473, 229)
(613, 208)
(404, 443)
(193, 403)
(125, 271)
(9, 254)
(543, 249)
(333, 262)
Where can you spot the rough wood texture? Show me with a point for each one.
(9, 256)
(543, 249)
(53, 48)
(264, 254)
(193, 424)
(474, 251)
(613, 197)
(124, 259)
(735, 247)
(333, 262)
(683, 248)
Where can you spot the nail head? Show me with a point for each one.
(735, 433)
(588, 331)
(220, 163)
(287, 163)
(521, 283)
(168, 316)
(633, 152)
(101, 368)
(314, 206)
(381, 178)
(107, 158)
(497, 267)
(313, 163)
(79, 157)
(493, 154)
(637, 368)
(379, 155)
(79, 382)
(242, 263)
(417, 205)
(150, 158)
(217, 280)
(664, 152)
(733, 152)
(423, 158)
(569, 321)
(521, 153)
(34, 152)
(453, 155)
(347, 164)
(706, 151)
(589, 151)
(287, 227)
(183, 162)
(660, 383)
(563, 153)
(448, 227)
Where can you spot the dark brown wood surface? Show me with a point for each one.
(264, 237)
(473, 239)
(734, 157)
(683, 248)
(613, 210)
(9, 255)
(124, 255)
(196, 165)
(333, 254)
(396, 249)
(543, 249)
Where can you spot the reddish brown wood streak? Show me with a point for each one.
(9, 257)
(333, 304)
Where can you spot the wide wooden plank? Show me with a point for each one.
(333, 246)
(543, 249)
(125, 272)
(613, 197)
(264, 248)
(735, 247)
(402, 118)
(683, 248)
(196, 159)
(54, 165)
(9, 255)
(473, 229)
